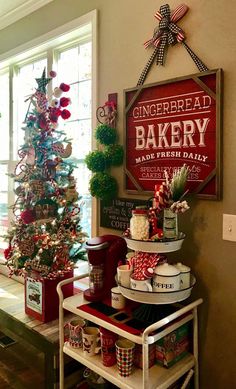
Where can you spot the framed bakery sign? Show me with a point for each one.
(172, 123)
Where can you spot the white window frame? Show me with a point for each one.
(86, 24)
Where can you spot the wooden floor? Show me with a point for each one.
(22, 364)
(21, 367)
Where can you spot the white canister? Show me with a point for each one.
(184, 275)
(166, 278)
(139, 224)
(117, 299)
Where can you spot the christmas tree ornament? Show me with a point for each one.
(28, 216)
(37, 187)
(26, 247)
(64, 87)
(30, 157)
(57, 92)
(42, 82)
(64, 101)
(53, 74)
(65, 114)
(55, 103)
(71, 192)
(63, 152)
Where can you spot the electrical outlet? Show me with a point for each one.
(229, 227)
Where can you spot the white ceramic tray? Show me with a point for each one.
(165, 246)
(158, 297)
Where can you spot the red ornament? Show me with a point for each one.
(32, 118)
(7, 252)
(54, 114)
(64, 87)
(27, 216)
(64, 101)
(65, 114)
(52, 73)
(42, 123)
(36, 238)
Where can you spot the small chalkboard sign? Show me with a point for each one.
(116, 213)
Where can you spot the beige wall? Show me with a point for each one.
(123, 26)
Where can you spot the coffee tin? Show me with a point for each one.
(166, 278)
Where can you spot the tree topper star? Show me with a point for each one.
(42, 82)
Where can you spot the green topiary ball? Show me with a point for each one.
(103, 186)
(105, 134)
(96, 161)
(114, 155)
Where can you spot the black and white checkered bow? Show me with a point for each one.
(168, 33)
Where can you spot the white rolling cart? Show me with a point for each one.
(156, 377)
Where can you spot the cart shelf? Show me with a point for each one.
(156, 377)
(159, 376)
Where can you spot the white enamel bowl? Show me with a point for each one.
(156, 247)
(158, 297)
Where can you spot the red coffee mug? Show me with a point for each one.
(108, 347)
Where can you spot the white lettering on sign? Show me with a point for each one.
(157, 109)
(171, 154)
(157, 172)
(186, 133)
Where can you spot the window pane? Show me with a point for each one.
(74, 68)
(80, 132)
(4, 116)
(74, 96)
(24, 86)
(85, 55)
(84, 106)
(83, 175)
(3, 205)
(68, 65)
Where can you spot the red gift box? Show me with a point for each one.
(41, 298)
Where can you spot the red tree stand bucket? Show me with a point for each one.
(41, 298)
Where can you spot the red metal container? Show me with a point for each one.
(41, 298)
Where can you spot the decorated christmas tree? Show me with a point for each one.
(45, 237)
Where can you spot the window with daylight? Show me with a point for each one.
(69, 51)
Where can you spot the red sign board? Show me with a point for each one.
(171, 123)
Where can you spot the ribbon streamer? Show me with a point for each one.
(168, 33)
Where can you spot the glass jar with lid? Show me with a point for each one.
(139, 224)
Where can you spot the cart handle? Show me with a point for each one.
(170, 318)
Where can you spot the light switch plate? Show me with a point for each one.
(229, 227)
